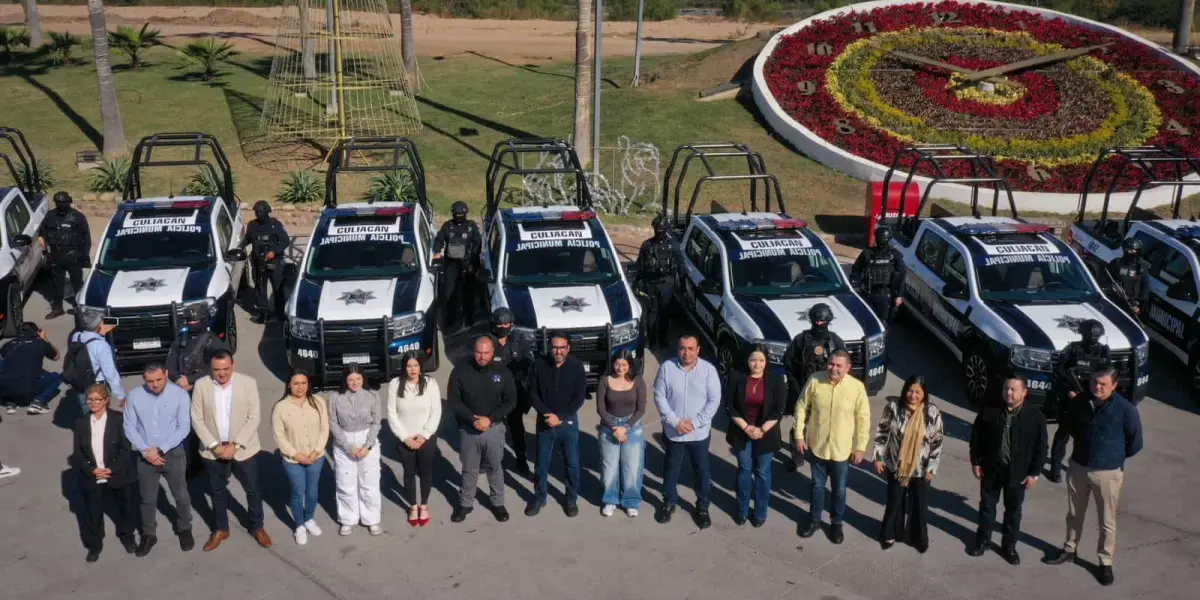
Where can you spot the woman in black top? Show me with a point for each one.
(755, 402)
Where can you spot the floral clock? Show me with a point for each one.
(1042, 93)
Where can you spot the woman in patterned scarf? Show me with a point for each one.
(908, 445)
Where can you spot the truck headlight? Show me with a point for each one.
(775, 350)
(209, 304)
(302, 328)
(875, 346)
(408, 324)
(625, 332)
(1028, 357)
(1142, 353)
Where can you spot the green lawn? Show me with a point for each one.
(57, 109)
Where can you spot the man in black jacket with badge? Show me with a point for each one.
(458, 243)
(808, 353)
(65, 232)
(878, 274)
(1129, 277)
(189, 357)
(516, 356)
(270, 241)
(656, 280)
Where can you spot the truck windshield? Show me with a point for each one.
(339, 258)
(798, 272)
(561, 262)
(1033, 278)
(158, 240)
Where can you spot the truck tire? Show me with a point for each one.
(977, 376)
(231, 332)
(726, 358)
(14, 308)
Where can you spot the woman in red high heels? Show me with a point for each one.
(414, 405)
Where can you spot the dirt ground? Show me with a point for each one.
(254, 29)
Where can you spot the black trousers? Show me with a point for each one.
(907, 512)
(516, 425)
(95, 498)
(882, 303)
(658, 311)
(58, 275)
(991, 487)
(458, 293)
(218, 478)
(418, 463)
(268, 272)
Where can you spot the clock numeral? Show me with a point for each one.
(946, 16)
(1170, 86)
(868, 27)
(1175, 127)
(821, 49)
(1038, 174)
(807, 88)
(843, 126)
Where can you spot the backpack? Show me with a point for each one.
(78, 370)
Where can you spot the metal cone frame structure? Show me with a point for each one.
(337, 73)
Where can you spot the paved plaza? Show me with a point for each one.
(552, 556)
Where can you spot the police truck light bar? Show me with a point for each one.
(382, 211)
(161, 204)
(1000, 228)
(552, 215)
(763, 224)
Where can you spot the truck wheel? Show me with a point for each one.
(977, 376)
(1194, 372)
(231, 326)
(434, 360)
(726, 359)
(14, 309)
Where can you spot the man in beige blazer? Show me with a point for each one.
(225, 416)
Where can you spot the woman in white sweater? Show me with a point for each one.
(414, 405)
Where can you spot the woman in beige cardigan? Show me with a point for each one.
(301, 424)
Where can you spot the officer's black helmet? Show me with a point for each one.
(1091, 330)
(458, 209)
(502, 316)
(883, 235)
(62, 198)
(194, 314)
(1132, 246)
(660, 224)
(820, 313)
(261, 208)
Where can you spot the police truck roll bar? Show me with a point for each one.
(523, 157)
(706, 153)
(198, 143)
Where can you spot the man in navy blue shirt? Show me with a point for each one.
(22, 376)
(557, 390)
(1105, 430)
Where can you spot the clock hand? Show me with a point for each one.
(949, 67)
(1034, 62)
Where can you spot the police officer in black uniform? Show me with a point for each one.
(809, 353)
(270, 241)
(1129, 276)
(187, 361)
(458, 243)
(878, 273)
(1074, 371)
(517, 356)
(656, 281)
(65, 231)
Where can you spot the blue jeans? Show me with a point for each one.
(565, 436)
(622, 465)
(825, 469)
(698, 452)
(304, 480)
(753, 471)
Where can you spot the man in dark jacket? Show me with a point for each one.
(188, 358)
(65, 232)
(1105, 430)
(557, 391)
(270, 240)
(516, 355)
(481, 393)
(878, 274)
(1008, 444)
(21, 374)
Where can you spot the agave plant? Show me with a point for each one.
(110, 176)
(393, 186)
(205, 182)
(301, 187)
(207, 53)
(62, 45)
(12, 38)
(37, 176)
(133, 42)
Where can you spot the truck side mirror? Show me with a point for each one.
(21, 241)
(235, 255)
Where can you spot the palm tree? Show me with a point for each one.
(307, 45)
(10, 39)
(134, 41)
(207, 53)
(33, 24)
(584, 27)
(407, 44)
(110, 111)
(62, 44)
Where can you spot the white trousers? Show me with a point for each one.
(358, 493)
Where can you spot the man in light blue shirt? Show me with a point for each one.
(92, 332)
(158, 417)
(687, 392)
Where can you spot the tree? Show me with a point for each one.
(33, 24)
(308, 55)
(584, 27)
(134, 42)
(207, 53)
(407, 44)
(110, 112)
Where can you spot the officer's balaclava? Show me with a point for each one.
(62, 203)
(501, 330)
(1091, 331)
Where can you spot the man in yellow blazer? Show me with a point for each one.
(225, 416)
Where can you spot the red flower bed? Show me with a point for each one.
(1177, 92)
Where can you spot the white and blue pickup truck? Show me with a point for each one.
(23, 205)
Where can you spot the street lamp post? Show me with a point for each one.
(637, 47)
(596, 80)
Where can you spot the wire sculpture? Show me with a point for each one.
(636, 175)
